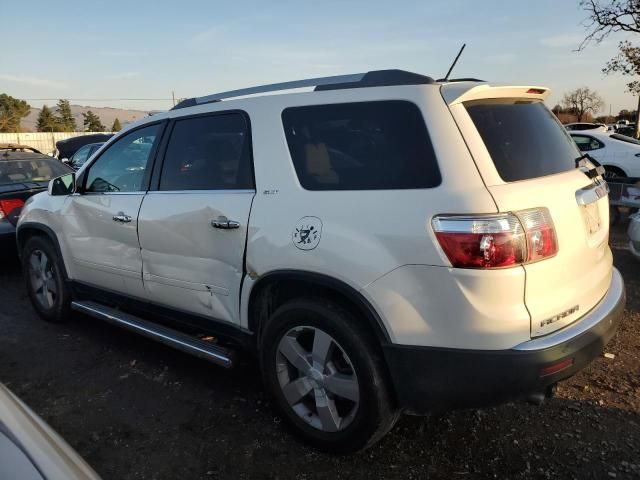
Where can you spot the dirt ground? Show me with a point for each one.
(138, 410)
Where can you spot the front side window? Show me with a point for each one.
(624, 138)
(121, 167)
(208, 153)
(586, 143)
(361, 146)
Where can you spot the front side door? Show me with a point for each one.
(100, 222)
(193, 222)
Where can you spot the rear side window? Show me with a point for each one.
(361, 146)
(586, 143)
(524, 138)
(208, 153)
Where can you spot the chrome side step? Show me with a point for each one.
(213, 353)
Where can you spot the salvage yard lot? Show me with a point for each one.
(138, 410)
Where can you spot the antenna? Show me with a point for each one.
(454, 63)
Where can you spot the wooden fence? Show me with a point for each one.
(43, 141)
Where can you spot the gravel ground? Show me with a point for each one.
(138, 410)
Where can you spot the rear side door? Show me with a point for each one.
(100, 221)
(193, 223)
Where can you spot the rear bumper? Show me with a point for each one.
(433, 379)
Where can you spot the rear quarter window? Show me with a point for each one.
(361, 146)
(524, 138)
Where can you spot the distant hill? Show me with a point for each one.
(107, 116)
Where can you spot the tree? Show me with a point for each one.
(12, 111)
(610, 17)
(46, 120)
(64, 117)
(92, 122)
(582, 101)
(116, 127)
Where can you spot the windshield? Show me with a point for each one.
(524, 138)
(32, 170)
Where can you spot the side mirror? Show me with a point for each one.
(63, 185)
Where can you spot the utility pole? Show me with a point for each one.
(173, 97)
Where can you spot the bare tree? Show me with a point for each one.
(615, 16)
(582, 101)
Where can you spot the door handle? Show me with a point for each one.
(121, 217)
(224, 223)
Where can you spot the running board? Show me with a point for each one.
(213, 353)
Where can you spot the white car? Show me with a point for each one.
(384, 244)
(596, 127)
(619, 154)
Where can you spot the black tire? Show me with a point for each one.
(56, 307)
(375, 413)
(613, 172)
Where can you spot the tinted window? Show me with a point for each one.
(524, 139)
(361, 146)
(81, 156)
(624, 138)
(586, 143)
(30, 170)
(121, 167)
(208, 153)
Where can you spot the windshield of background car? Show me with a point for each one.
(30, 170)
(523, 137)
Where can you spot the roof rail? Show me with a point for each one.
(376, 78)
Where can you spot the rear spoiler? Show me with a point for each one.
(459, 92)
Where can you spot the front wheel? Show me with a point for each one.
(47, 289)
(327, 376)
(613, 172)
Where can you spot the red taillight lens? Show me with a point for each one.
(8, 206)
(495, 241)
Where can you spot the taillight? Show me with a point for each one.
(496, 241)
(7, 207)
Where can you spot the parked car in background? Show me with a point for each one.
(628, 130)
(82, 155)
(470, 268)
(633, 231)
(618, 154)
(31, 450)
(24, 171)
(586, 126)
(67, 147)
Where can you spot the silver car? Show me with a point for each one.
(31, 450)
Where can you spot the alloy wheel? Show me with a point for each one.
(42, 279)
(317, 378)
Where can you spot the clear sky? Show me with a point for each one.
(143, 49)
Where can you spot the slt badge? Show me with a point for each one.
(307, 233)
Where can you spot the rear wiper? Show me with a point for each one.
(597, 170)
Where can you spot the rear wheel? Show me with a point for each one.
(326, 375)
(47, 289)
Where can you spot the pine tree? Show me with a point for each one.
(92, 122)
(116, 127)
(46, 120)
(12, 110)
(66, 122)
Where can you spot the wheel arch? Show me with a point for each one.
(276, 287)
(27, 230)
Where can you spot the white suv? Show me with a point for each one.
(385, 243)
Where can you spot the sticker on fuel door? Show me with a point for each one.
(307, 233)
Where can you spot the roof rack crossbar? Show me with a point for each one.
(274, 87)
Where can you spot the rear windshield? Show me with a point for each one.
(36, 170)
(524, 138)
(361, 146)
